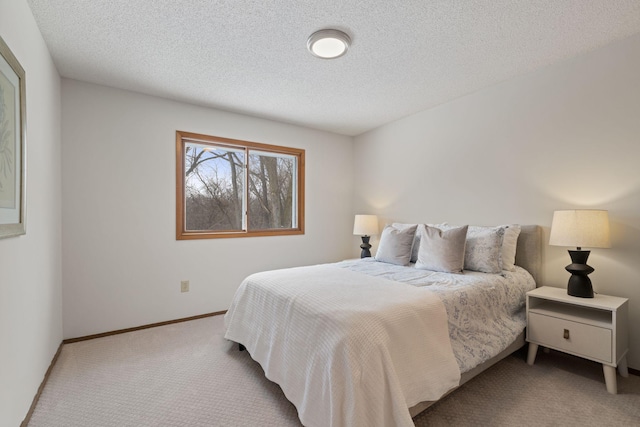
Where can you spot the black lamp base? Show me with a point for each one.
(365, 246)
(579, 282)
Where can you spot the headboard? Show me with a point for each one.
(529, 250)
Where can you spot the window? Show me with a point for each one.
(232, 188)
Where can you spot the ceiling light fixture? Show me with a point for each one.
(328, 44)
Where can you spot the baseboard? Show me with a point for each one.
(137, 328)
(27, 418)
(634, 372)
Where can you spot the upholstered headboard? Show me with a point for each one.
(529, 251)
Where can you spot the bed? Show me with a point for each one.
(372, 343)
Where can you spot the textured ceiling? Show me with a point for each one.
(250, 56)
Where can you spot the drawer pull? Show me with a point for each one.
(566, 334)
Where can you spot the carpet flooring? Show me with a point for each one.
(187, 374)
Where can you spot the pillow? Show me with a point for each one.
(484, 249)
(395, 245)
(509, 244)
(416, 239)
(442, 250)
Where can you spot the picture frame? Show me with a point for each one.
(12, 144)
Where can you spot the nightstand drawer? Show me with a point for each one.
(588, 341)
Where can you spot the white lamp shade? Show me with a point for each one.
(365, 225)
(580, 228)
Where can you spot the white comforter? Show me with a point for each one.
(347, 349)
(486, 311)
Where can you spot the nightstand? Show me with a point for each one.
(591, 328)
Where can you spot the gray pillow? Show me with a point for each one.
(484, 249)
(442, 250)
(416, 239)
(509, 244)
(395, 245)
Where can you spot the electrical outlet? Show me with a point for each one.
(184, 286)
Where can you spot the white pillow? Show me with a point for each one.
(396, 244)
(442, 250)
(484, 249)
(509, 245)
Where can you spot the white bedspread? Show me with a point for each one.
(346, 348)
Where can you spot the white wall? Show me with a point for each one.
(30, 265)
(565, 137)
(122, 265)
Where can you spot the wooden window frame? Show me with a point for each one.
(182, 234)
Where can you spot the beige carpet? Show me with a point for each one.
(186, 374)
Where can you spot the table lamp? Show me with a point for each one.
(365, 226)
(580, 228)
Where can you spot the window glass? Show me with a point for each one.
(271, 191)
(214, 187)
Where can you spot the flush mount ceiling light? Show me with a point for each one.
(328, 44)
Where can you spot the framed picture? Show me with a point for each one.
(12, 144)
